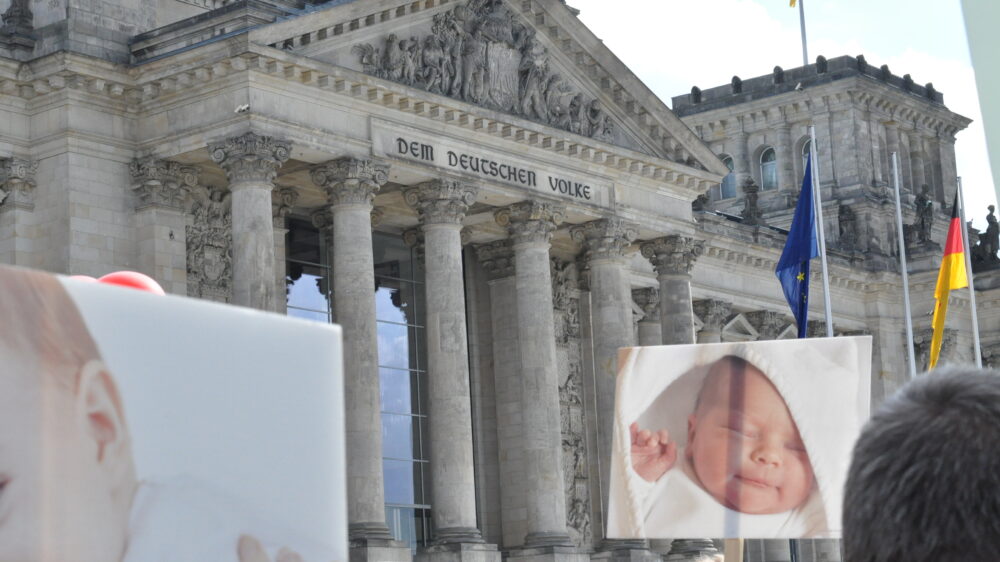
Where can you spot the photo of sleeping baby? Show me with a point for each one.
(736, 440)
(145, 428)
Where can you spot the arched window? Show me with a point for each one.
(729, 182)
(806, 146)
(768, 170)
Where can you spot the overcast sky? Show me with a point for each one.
(675, 44)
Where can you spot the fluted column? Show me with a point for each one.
(350, 185)
(161, 191)
(650, 329)
(442, 205)
(673, 257)
(530, 225)
(713, 314)
(251, 163)
(17, 202)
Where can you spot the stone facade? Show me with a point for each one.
(555, 207)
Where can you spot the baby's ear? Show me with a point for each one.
(692, 422)
(101, 410)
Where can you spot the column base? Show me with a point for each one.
(548, 554)
(459, 552)
(692, 550)
(626, 550)
(379, 550)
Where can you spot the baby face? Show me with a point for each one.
(55, 493)
(744, 446)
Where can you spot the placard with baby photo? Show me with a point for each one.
(736, 440)
(145, 428)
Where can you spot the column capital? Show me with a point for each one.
(162, 183)
(605, 238)
(673, 254)
(497, 258)
(282, 201)
(322, 218)
(441, 201)
(250, 157)
(713, 313)
(768, 323)
(530, 221)
(17, 182)
(648, 299)
(350, 181)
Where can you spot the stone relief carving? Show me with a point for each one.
(479, 53)
(566, 311)
(769, 324)
(17, 182)
(162, 183)
(209, 244)
(848, 223)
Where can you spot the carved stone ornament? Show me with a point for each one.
(647, 299)
(497, 258)
(282, 201)
(17, 183)
(605, 238)
(752, 214)
(479, 53)
(18, 18)
(250, 157)
(769, 324)
(350, 181)
(713, 313)
(674, 254)
(209, 244)
(563, 274)
(162, 183)
(848, 223)
(530, 221)
(441, 201)
(414, 238)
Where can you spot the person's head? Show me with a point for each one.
(66, 471)
(924, 482)
(743, 444)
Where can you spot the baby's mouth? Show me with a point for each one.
(753, 482)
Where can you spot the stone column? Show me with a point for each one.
(350, 185)
(650, 329)
(949, 171)
(17, 202)
(530, 225)
(251, 162)
(713, 314)
(604, 243)
(162, 189)
(741, 156)
(917, 160)
(442, 205)
(673, 257)
(892, 144)
(786, 158)
(282, 201)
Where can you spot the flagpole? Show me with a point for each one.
(968, 271)
(903, 269)
(820, 230)
(802, 25)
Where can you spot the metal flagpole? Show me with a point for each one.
(820, 230)
(802, 25)
(968, 272)
(902, 267)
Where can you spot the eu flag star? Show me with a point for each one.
(801, 276)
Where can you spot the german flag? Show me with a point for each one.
(951, 276)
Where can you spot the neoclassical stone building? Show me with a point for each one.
(487, 200)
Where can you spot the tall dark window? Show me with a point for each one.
(729, 182)
(399, 313)
(768, 170)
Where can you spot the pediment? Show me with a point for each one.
(739, 329)
(530, 58)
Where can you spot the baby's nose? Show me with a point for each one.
(766, 454)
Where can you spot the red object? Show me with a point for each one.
(134, 280)
(84, 278)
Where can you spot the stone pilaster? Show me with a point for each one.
(673, 257)
(282, 201)
(650, 329)
(251, 163)
(17, 202)
(949, 171)
(350, 185)
(441, 205)
(917, 160)
(741, 156)
(786, 158)
(530, 225)
(161, 192)
(713, 314)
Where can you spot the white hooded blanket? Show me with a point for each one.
(825, 382)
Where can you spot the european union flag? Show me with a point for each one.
(801, 246)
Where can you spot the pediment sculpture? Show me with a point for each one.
(480, 54)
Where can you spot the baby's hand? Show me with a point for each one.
(250, 550)
(653, 454)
